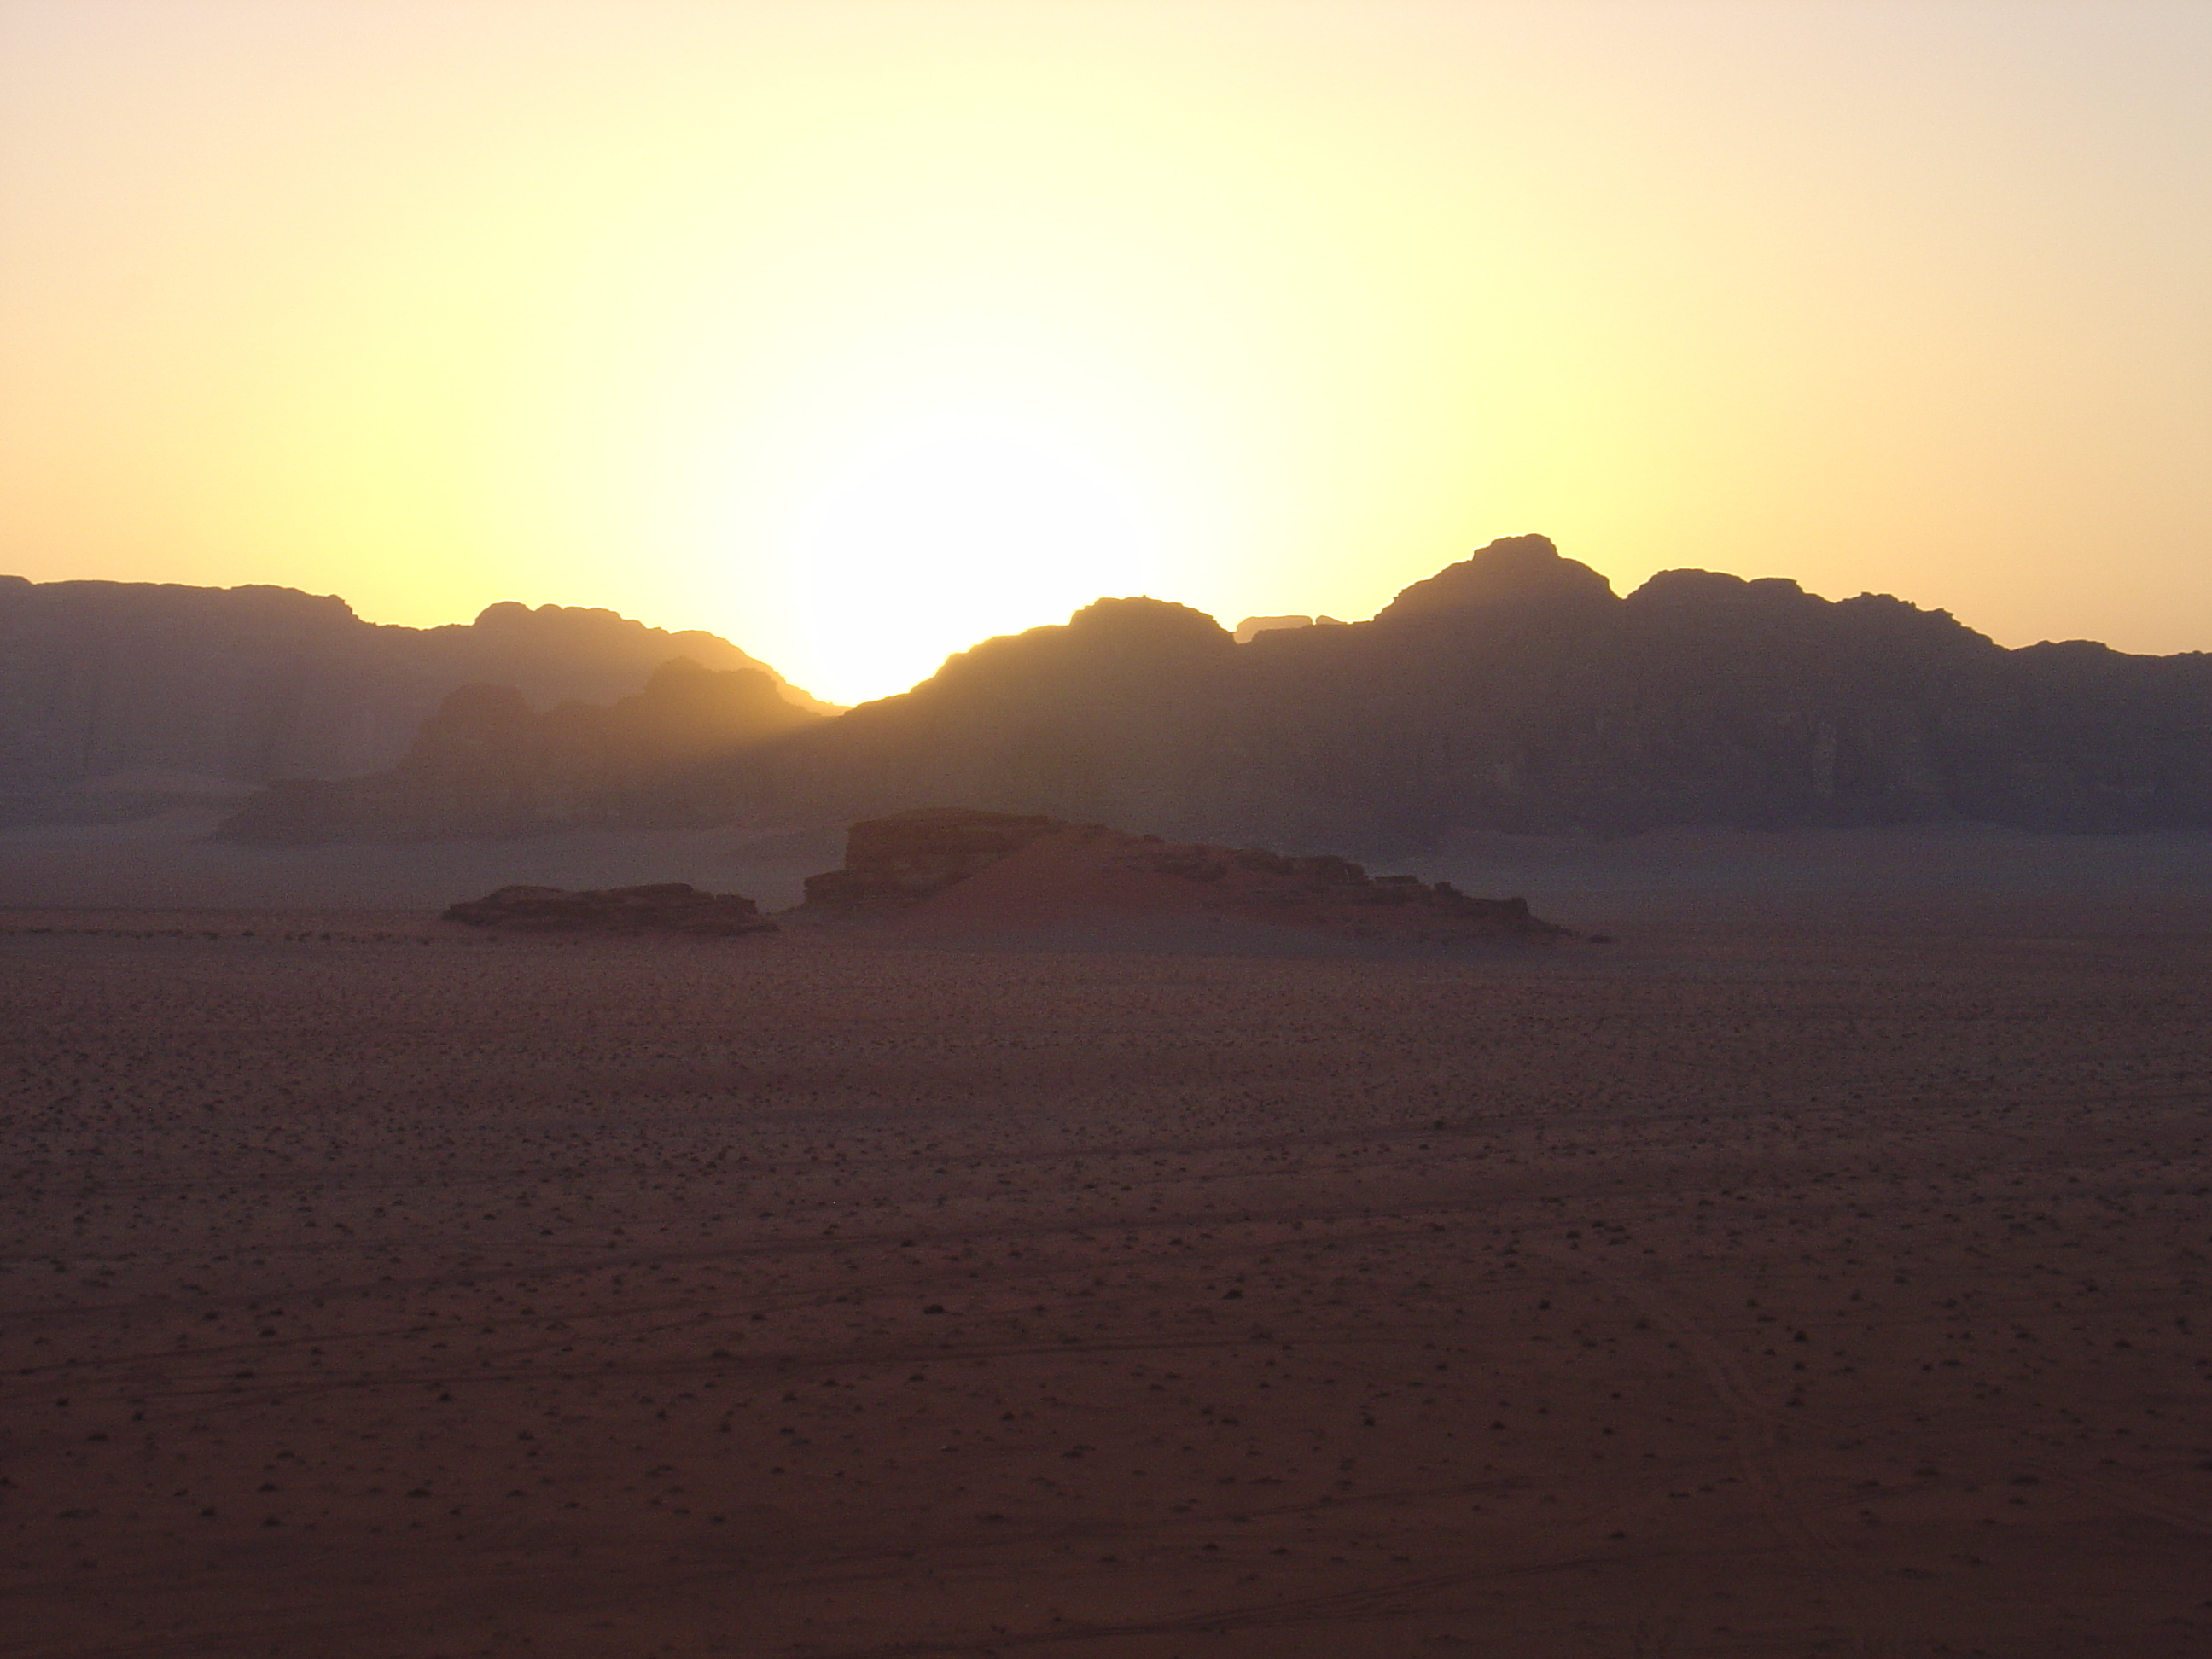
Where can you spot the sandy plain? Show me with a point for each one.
(1820, 1270)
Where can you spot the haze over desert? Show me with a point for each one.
(1775, 1280)
(1105, 829)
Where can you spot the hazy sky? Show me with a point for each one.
(858, 331)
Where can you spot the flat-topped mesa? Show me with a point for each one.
(1324, 883)
(926, 863)
(894, 861)
(668, 907)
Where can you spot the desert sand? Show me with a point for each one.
(1820, 1269)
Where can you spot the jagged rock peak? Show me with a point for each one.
(1513, 570)
(1125, 637)
(1144, 617)
(1706, 588)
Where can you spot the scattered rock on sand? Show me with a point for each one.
(668, 907)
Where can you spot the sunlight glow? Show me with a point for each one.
(900, 483)
(950, 522)
(857, 332)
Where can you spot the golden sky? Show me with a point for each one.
(856, 331)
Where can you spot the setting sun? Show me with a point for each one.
(855, 332)
(916, 494)
(948, 521)
(1109, 828)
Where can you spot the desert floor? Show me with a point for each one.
(1827, 1280)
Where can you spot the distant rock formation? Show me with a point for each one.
(673, 907)
(1252, 627)
(995, 870)
(1515, 691)
(1111, 717)
(485, 765)
(1515, 570)
(247, 685)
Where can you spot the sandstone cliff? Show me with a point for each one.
(1512, 692)
(1515, 691)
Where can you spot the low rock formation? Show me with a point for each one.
(669, 907)
(959, 867)
(892, 862)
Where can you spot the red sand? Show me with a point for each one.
(407, 1294)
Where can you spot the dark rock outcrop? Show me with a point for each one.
(252, 684)
(1515, 570)
(1075, 872)
(673, 907)
(1325, 887)
(892, 862)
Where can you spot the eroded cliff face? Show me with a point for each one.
(1515, 691)
(252, 683)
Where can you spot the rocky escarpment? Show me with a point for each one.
(673, 907)
(486, 765)
(1007, 869)
(1515, 691)
(247, 684)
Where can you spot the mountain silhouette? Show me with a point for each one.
(1513, 691)
(487, 765)
(248, 684)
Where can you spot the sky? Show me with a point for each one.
(859, 330)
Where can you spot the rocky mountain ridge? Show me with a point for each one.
(250, 684)
(487, 765)
(1513, 691)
